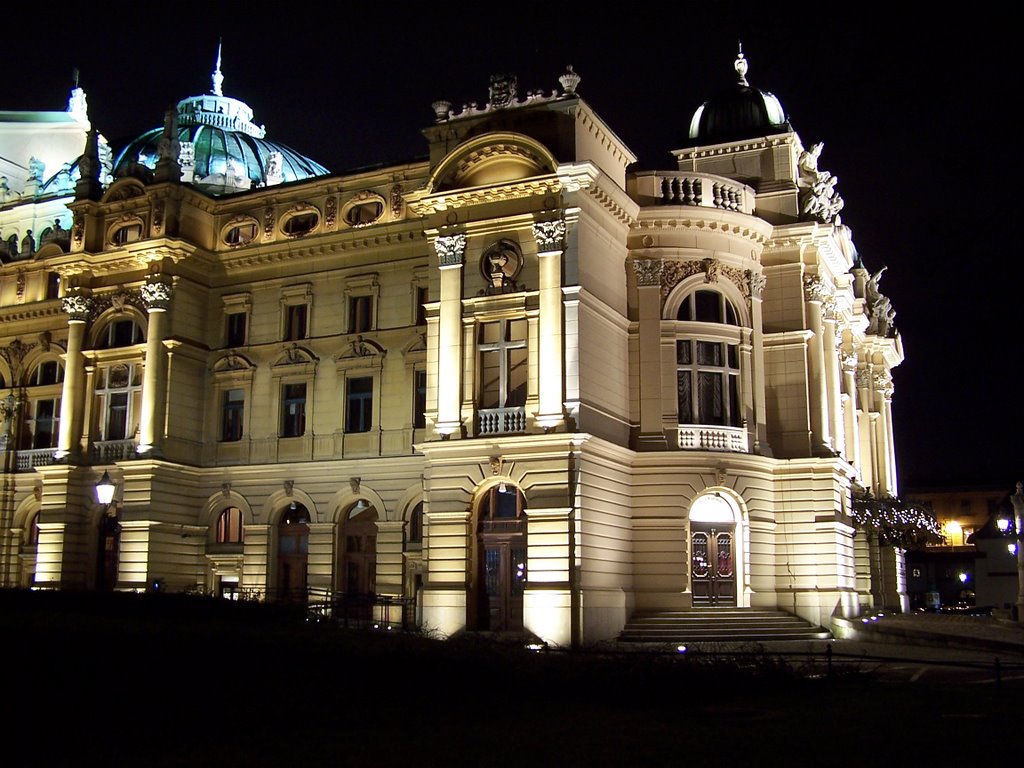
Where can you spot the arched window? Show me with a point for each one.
(708, 361)
(707, 307)
(121, 333)
(32, 530)
(415, 531)
(358, 540)
(40, 426)
(229, 527)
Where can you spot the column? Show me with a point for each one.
(156, 294)
(830, 341)
(884, 447)
(851, 430)
(549, 236)
(648, 289)
(78, 308)
(757, 285)
(868, 465)
(450, 251)
(815, 293)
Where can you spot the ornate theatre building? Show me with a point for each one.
(514, 386)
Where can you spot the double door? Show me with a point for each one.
(504, 581)
(712, 564)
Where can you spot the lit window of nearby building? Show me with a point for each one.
(359, 404)
(229, 527)
(232, 411)
(293, 410)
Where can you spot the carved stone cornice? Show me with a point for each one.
(156, 293)
(647, 271)
(451, 250)
(749, 233)
(674, 272)
(549, 235)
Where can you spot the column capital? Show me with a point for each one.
(816, 289)
(78, 306)
(450, 250)
(883, 384)
(647, 272)
(549, 235)
(757, 283)
(156, 293)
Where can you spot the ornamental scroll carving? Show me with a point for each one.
(268, 223)
(549, 235)
(156, 294)
(647, 271)
(863, 378)
(330, 212)
(674, 272)
(450, 250)
(757, 282)
(77, 306)
(14, 353)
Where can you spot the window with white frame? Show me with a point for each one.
(296, 302)
(293, 409)
(708, 365)
(501, 345)
(119, 396)
(42, 410)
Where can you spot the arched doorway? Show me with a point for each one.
(109, 549)
(500, 560)
(357, 571)
(292, 553)
(713, 546)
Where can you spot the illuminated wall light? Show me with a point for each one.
(963, 577)
(1012, 548)
(1002, 524)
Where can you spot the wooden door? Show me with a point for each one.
(504, 577)
(712, 564)
(293, 554)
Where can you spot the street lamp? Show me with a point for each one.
(105, 490)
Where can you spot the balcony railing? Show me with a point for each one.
(703, 190)
(36, 457)
(702, 437)
(108, 451)
(501, 421)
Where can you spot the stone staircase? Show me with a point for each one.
(719, 625)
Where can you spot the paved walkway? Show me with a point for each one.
(983, 633)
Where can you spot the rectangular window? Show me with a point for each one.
(359, 404)
(419, 406)
(360, 310)
(117, 416)
(295, 322)
(232, 411)
(41, 427)
(293, 410)
(236, 329)
(422, 297)
(503, 364)
(52, 285)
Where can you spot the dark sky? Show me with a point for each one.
(916, 114)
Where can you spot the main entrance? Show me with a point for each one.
(501, 563)
(712, 564)
(292, 553)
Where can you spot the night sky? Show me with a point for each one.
(915, 113)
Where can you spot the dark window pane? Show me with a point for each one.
(683, 353)
(490, 379)
(233, 410)
(709, 353)
(117, 416)
(419, 407)
(730, 314)
(422, 297)
(734, 401)
(733, 356)
(684, 310)
(359, 404)
(360, 314)
(708, 307)
(709, 396)
(236, 329)
(293, 410)
(516, 397)
(685, 397)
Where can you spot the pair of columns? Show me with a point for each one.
(451, 249)
(80, 309)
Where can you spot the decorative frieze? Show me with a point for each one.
(268, 223)
(647, 271)
(674, 272)
(451, 250)
(549, 235)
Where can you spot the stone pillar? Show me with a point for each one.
(757, 285)
(156, 294)
(851, 432)
(389, 577)
(832, 375)
(865, 423)
(450, 251)
(886, 390)
(549, 236)
(321, 557)
(78, 308)
(648, 289)
(547, 602)
(449, 555)
(256, 561)
(885, 463)
(815, 293)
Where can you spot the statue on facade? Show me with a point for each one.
(819, 199)
(880, 312)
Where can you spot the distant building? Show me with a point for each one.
(515, 385)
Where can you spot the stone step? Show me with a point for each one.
(719, 625)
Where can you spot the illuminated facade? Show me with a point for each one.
(515, 384)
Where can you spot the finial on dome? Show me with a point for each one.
(218, 77)
(741, 66)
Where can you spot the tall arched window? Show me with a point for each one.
(708, 361)
(229, 527)
(415, 530)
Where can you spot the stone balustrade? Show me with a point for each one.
(109, 451)
(703, 437)
(501, 421)
(28, 460)
(704, 190)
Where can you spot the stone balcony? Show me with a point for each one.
(501, 421)
(705, 437)
(109, 451)
(702, 190)
(29, 459)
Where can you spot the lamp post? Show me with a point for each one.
(1018, 513)
(105, 491)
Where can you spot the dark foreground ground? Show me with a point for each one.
(179, 681)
